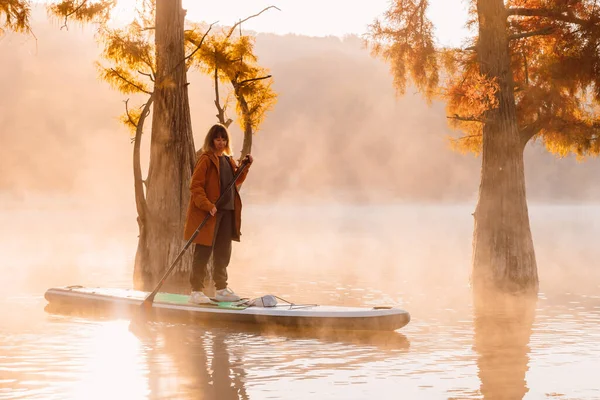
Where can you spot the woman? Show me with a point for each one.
(213, 172)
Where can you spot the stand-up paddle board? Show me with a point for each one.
(169, 306)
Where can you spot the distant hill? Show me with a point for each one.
(338, 132)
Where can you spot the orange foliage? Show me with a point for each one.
(407, 43)
(555, 66)
(15, 14)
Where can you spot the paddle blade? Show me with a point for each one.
(147, 303)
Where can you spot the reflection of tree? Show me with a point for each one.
(208, 360)
(204, 365)
(225, 362)
(201, 359)
(211, 361)
(503, 325)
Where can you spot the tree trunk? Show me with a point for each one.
(247, 145)
(172, 155)
(220, 110)
(503, 253)
(138, 183)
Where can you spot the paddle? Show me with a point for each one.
(147, 303)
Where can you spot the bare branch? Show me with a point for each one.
(540, 32)
(201, 41)
(128, 82)
(466, 119)
(220, 110)
(128, 115)
(546, 13)
(71, 13)
(150, 64)
(469, 137)
(148, 75)
(531, 130)
(557, 123)
(139, 183)
(246, 19)
(254, 79)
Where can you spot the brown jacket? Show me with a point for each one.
(206, 189)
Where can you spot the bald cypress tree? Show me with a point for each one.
(230, 59)
(530, 73)
(159, 70)
(148, 58)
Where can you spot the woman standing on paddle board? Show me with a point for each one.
(213, 172)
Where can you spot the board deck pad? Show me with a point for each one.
(174, 298)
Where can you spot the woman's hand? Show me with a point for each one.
(213, 211)
(249, 158)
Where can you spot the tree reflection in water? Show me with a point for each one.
(503, 326)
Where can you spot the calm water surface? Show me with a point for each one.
(415, 257)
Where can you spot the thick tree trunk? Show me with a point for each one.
(503, 253)
(172, 155)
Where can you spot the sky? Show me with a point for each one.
(317, 17)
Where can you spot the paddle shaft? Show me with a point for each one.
(150, 298)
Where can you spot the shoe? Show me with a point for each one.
(226, 295)
(199, 298)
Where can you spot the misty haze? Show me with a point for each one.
(355, 198)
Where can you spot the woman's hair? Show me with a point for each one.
(217, 131)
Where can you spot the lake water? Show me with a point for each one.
(416, 257)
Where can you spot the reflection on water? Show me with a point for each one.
(413, 257)
(213, 363)
(503, 327)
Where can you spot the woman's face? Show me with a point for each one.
(220, 143)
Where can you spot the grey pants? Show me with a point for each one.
(221, 251)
